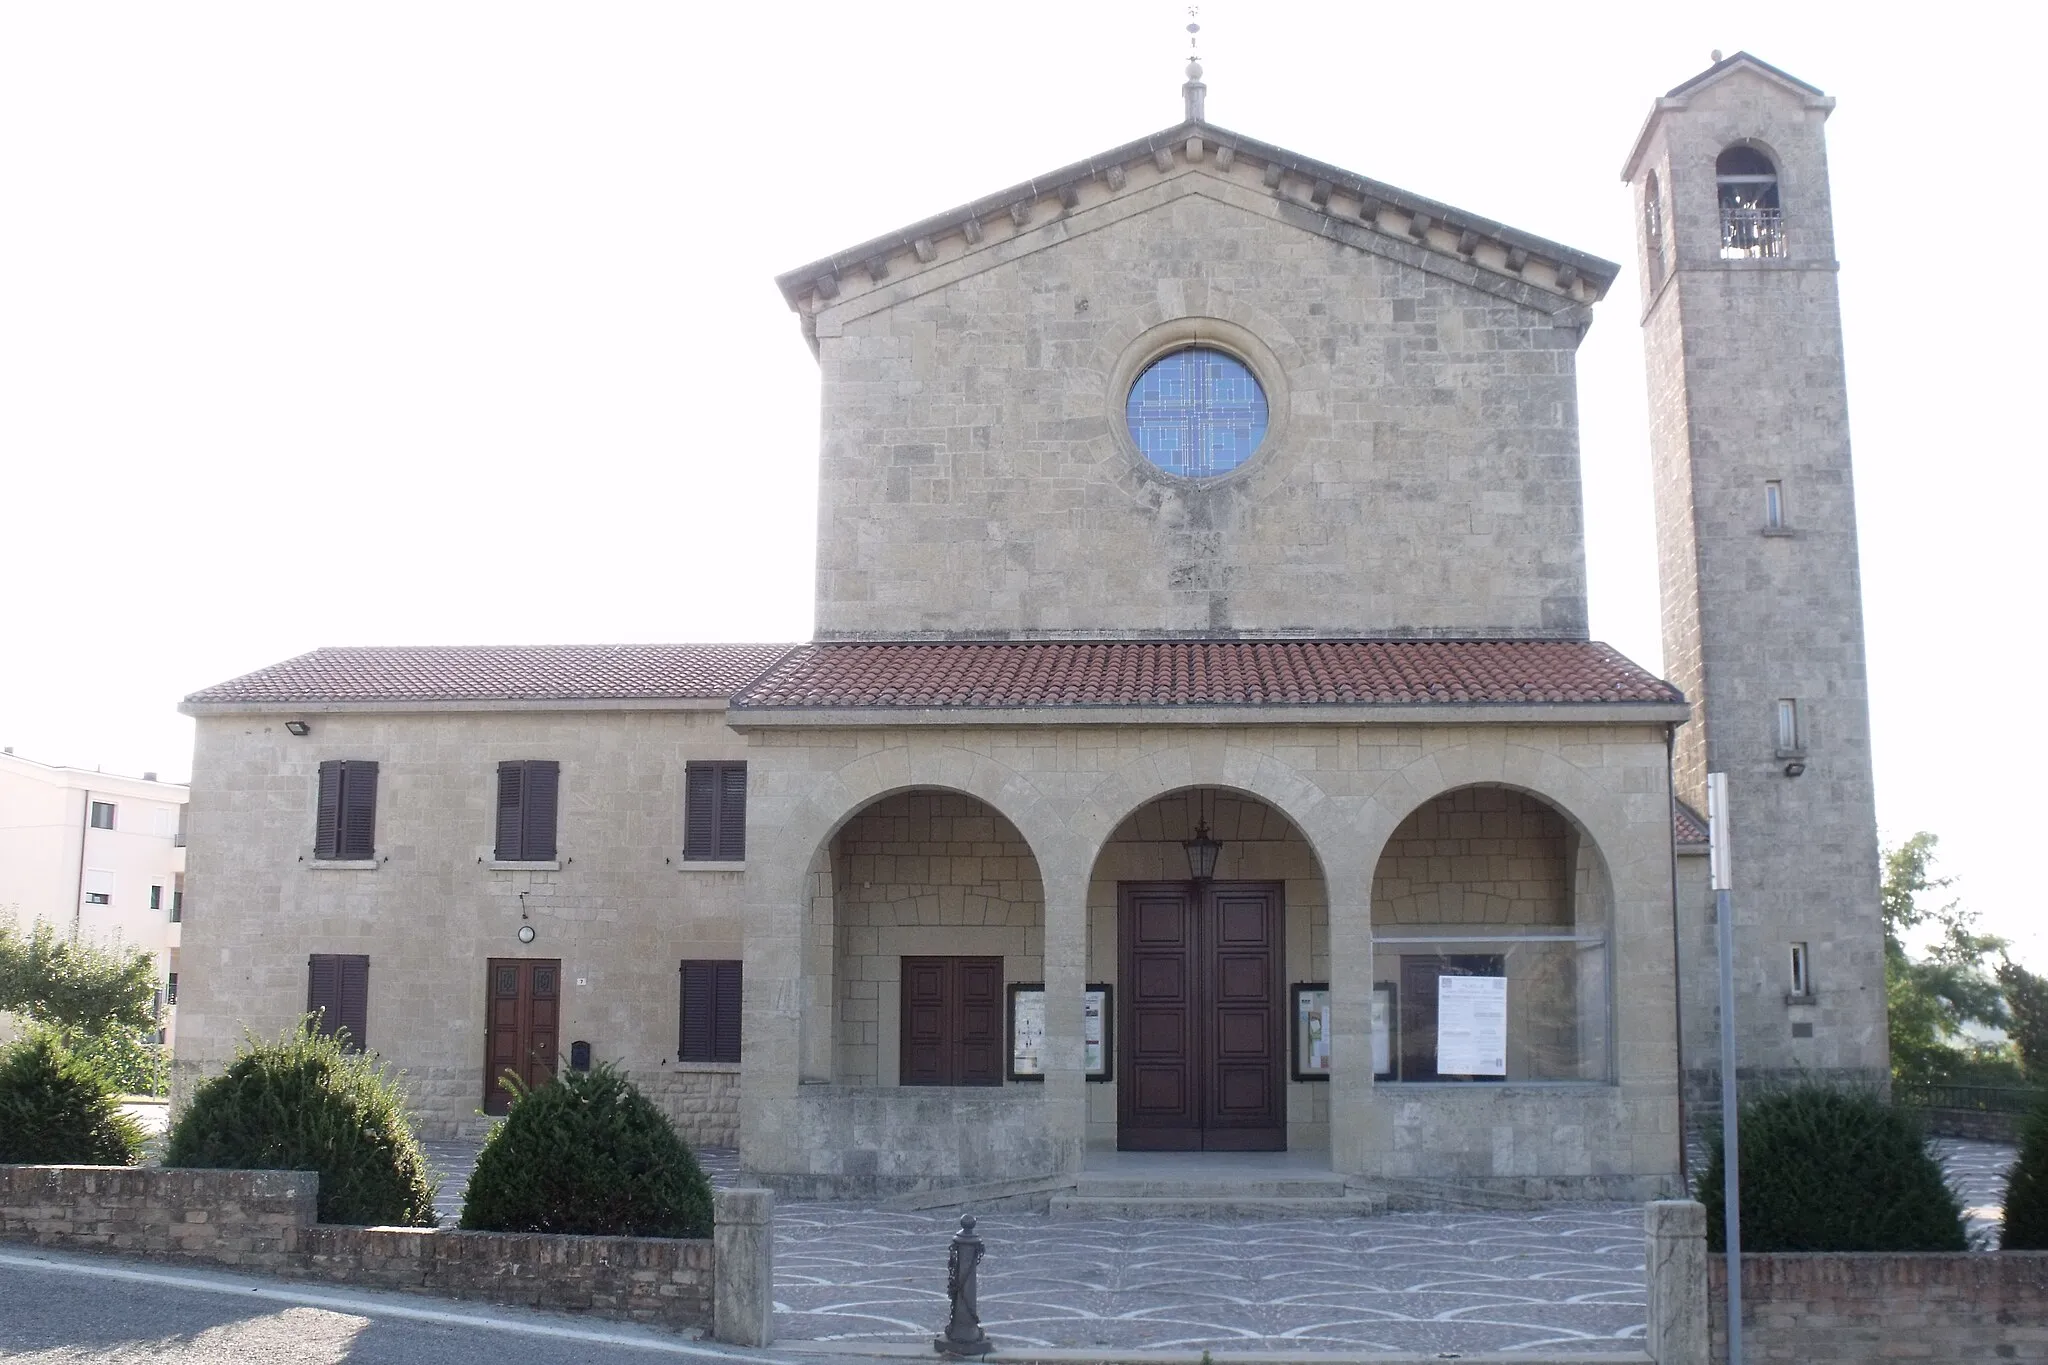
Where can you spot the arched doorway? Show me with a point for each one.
(1206, 906)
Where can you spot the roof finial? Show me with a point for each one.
(1194, 94)
(1717, 56)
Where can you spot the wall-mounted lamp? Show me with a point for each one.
(297, 728)
(526, 933)
(1202, 849)
(1795, 767)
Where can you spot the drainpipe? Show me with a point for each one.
(78, 900)
(1677, 971)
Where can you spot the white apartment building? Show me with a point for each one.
(99, 856)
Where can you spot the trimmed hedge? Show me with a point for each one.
(587, 1153)
(56, 1110)
(300, 1103)
(2026, 1185)
(1833, 1170)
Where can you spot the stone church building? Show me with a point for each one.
(1200, 748)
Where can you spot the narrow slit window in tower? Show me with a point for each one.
(1789, 738)
(1653, 228)
(1802, 970)
(1774, 505)
(1752, 225)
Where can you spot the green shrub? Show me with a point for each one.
(129, 1065)
(1833, 1170)
(2026, 1185)
(587, 1153)
(300, 1103)
(56, 1110)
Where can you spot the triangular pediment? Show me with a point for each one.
(1197, 158)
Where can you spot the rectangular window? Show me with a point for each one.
(177, 897)
(710, 1030)
(338, 991)
(346, 828)
(171, 989)
(1774, 505)
(1790, 739)
(99, 887)
(1802, 971)
(952, 1021)
(98, 898)
(156, 898)
(715, 812)
(102, 815)
(527, 802)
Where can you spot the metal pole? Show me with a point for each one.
(1731, 1156)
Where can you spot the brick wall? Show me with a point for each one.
(264, 1221)
(1934, 1306)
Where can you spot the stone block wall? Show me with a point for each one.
(1942, 1307)
(702, 1100)
(237, 1218)
(1481, 855)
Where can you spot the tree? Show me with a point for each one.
(77, 987)
(1935, 997)
(2026, 1000)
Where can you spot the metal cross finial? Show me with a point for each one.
(1194, 92)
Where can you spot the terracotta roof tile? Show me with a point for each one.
(1688, 826)
(1201, 673)
(438, 673)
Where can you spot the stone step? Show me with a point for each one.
(1337, 1205)
(1313, 1186)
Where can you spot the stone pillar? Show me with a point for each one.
(1675, 1259)
(743, 1244)
(1351, 976)
(1066, 976)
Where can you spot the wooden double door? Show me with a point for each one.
(522, 1014)
(1201, 1017)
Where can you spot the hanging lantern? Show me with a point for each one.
(1202, 851)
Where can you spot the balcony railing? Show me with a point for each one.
(1983, 1099)
(1751, 234)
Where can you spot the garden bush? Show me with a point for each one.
(1826, 1169)
(56, 1110)
(301, 1103)
(2026, 1185)
(587, 1153)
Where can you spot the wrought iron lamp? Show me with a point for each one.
(1202, 851)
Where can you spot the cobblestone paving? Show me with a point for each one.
(1567, 1279)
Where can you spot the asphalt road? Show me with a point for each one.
(73, 1308)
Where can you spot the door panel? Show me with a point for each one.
(1201, 1006)
(952, 1021)
(522, 1010)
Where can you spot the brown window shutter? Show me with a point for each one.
(323, 991)
(353, 981)
(543, 784)
(327, 826)
(359, 810)
(732, 812)
(699, 992)
(700, 811)
(725, 1031)
(511, 793)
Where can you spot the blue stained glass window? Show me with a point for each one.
(1197, 413)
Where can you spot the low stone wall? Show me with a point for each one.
(264, 1221)
(1950, 1307)
(702, 1100)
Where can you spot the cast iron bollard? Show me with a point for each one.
(964, 1336)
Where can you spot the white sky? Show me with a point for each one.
(455, 323)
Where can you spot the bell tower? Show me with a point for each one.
(1757, 564)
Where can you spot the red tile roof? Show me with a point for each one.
(1201, 673)
(1688, 826)
(437, 673)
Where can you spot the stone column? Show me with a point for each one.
(743, 1245)
(1066, 976)
(1351, 976)
(1675, 1257)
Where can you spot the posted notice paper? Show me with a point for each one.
(1472, 1025)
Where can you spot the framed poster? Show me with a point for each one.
(1386, 1023)
(1098, 1032)
(1312, 1031)
(1472, 1026)
(1027, 1031)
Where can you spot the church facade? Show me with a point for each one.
(1200, 747)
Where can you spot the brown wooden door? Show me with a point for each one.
(523, 1000)
(1202, 1020)
(952, 1024)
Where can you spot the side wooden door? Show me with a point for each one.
(1244, 1093)
(1159, 1094)
(522, 1011)
(952, 1021)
